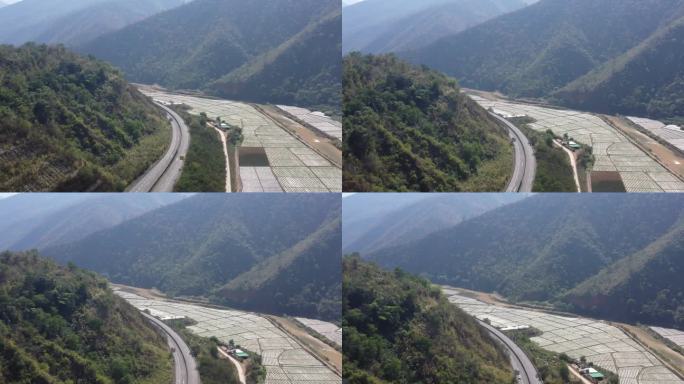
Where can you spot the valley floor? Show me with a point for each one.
(285, 360)
(616, 155)
(603, 344)
(287, 164)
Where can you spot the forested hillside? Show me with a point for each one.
(399, 329)
(648, 80)
(64, 325)
(73, 22)
(72, 123)
(305, 278)
(410, 129)
(545, 246)
(644, 287)
(383, 26)
(542, 48)
(197, 246)
(233, 48)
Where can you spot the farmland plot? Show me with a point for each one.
(286, 362)
(612, 150)
(670, 133)
(674, 335)
(602, 344)
(292, 165)
(328, 330)
(318, 120)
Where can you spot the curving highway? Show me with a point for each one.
(525, 162)
(162, 176)
(527, 373)
(185, 365)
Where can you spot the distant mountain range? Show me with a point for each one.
(44, 220)
(381, 26)
(278, 52)
(411, 216)
(591, 254)
(271, 253)
(73, 22)
(617, 56)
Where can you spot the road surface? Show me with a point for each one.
(162, 176)
(237, 365)
(519, 360)
(186, 367)
(525, 163)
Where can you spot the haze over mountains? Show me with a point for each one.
(617, 56)
(261, 50)
(73, 22)
(271, 253)
(381, 26)
(590, 254)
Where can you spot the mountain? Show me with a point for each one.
(60, 219)
(361, 212)
(399, 329)
(382, 26)
(411, 129)
(545, 246)
(647, 80)
(63, 324)
(199, 245)
(300, 278)
(73, 22)
(644, 287)
(544, 47)
(72, 123)
(419, 219)
(284, 51)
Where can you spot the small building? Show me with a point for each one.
(573, 145)
(224, 126)
(240, 354)
(592, 374)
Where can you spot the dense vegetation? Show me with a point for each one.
(399, 329)
(382, 26)
(545, 47)
(285, 51)
(197, 246)
(204, 168)
(603, 251)
(72, 22)
(70, 123)
(64, 325)
(410, 129)
(554, 171)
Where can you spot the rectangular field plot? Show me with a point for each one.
(316, 120)
(674, 335)
(285, 360)
(670, 133)
(328, 330)
(281, 149)
(614, 153)
(602, 344)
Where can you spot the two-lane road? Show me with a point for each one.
(525, 162)
(519, 360)
(162, 176)
(185, 365)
